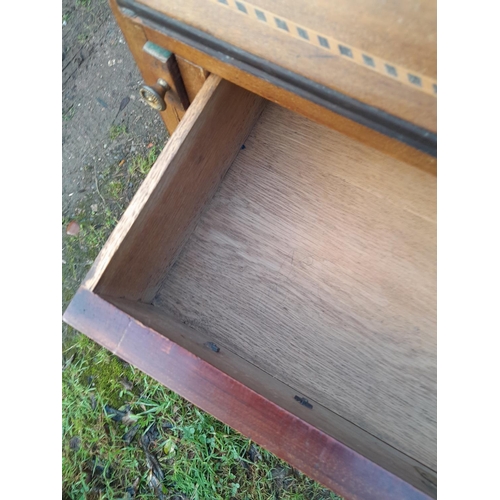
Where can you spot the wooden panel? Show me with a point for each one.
(270, 91)
(380, 53)
(174, 113)
(287, 435)
(232, 364)
(316, 261)
(194, 76)
(151, 69)
(167, 204)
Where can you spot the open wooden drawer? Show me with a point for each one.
(287, 286)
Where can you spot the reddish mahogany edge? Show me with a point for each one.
(313, 452)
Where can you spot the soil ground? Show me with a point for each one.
(98, 74)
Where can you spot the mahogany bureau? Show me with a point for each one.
(277, 267)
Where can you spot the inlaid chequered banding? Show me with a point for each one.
(323, 42)
(368, 60)
(241, 7)
(338, 48)
(281, 24)
(260, 15)
(302, 33)
(391, 70)
(345, 51)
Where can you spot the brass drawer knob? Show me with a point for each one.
(155, 94)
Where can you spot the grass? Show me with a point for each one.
(200, 458)
(83, 37)
(116, 131)
(141, 165)
(126, 436)
(84, 3)
(68, 114)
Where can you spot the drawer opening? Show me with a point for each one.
(302, 265)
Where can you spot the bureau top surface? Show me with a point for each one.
(380, 52)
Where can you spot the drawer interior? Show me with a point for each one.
(321, 275)
(305, 268)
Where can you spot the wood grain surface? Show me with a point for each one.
(316, 261)
(168, 203)
(251, 376)
(300, 28)
(151, 68)
(177, 365)
(402, 33)
(193, 76)
(229, 70)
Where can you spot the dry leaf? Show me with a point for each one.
(124, 102)
(126, 384)
(70, 359)
(129, 435)
(129, 418)
(73, 228)
(74, 443)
